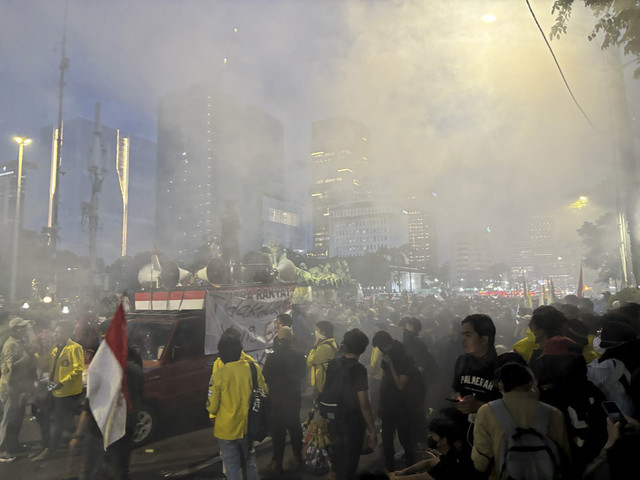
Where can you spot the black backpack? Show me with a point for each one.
(332, 398)
(258, 422)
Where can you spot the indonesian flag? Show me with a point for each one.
(107, 381)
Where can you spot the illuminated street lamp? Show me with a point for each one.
(17, 219)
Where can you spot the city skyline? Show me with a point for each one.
(473, 112)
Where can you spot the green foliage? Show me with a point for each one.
(617, 22)
(601, 240)
(631, 295)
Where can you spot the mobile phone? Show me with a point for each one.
(614, 413)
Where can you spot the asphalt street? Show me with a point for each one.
(185, 449)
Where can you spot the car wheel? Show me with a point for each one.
(146, 425)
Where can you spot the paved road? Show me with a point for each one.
(189, 453)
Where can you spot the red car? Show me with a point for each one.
(176, 369)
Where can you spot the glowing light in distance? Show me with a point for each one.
(22, 140)
(488, 18)
(47, 299)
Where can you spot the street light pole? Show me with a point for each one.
(17, 221)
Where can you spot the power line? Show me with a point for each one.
(558, 65)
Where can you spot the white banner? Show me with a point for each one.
(250, 310)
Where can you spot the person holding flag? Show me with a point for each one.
(115, 385)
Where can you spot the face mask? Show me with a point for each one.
(432, 443)
(597, 347)
(319, 336)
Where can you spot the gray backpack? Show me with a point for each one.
(527, 453)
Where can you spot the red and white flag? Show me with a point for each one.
(107, 381)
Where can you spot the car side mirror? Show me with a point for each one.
(176, 352)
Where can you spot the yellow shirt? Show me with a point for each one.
(318, 359)
(69, 368)
(228, 398)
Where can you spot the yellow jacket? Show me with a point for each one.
(318, 359)
(228, 398)
(526, 346)
(218, 364)
(69, 368)
(376, 363)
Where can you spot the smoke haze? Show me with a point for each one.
(475, 112)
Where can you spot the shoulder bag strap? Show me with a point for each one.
(506, 423)
(55, 362)
(254, 376)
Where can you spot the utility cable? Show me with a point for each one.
(558, 65)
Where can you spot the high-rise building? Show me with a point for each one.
(422, 232)
(364, 226)
(213, 148)
(339, 171)
(471, 258)
(75, 190)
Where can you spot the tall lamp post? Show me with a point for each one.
(17, 221)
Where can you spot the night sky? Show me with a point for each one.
(474, 111)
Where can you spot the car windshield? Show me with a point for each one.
(150, 338)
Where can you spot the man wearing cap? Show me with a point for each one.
(284, 370)
(17, 377)
(611, 373)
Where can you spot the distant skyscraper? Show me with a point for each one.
(422, 232)
(214, 148)
(339, 171)
(471, 258)
(75, 190)
(364, 226)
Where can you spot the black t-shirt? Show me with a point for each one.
(474, 376)
(355, 381)
(455, 465)
(390, 396)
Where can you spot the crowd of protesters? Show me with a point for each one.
(439, 370)
(437, 374)
(42, 373)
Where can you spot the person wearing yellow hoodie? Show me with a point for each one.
(323, 351)
(66, 364)
(228, 399)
